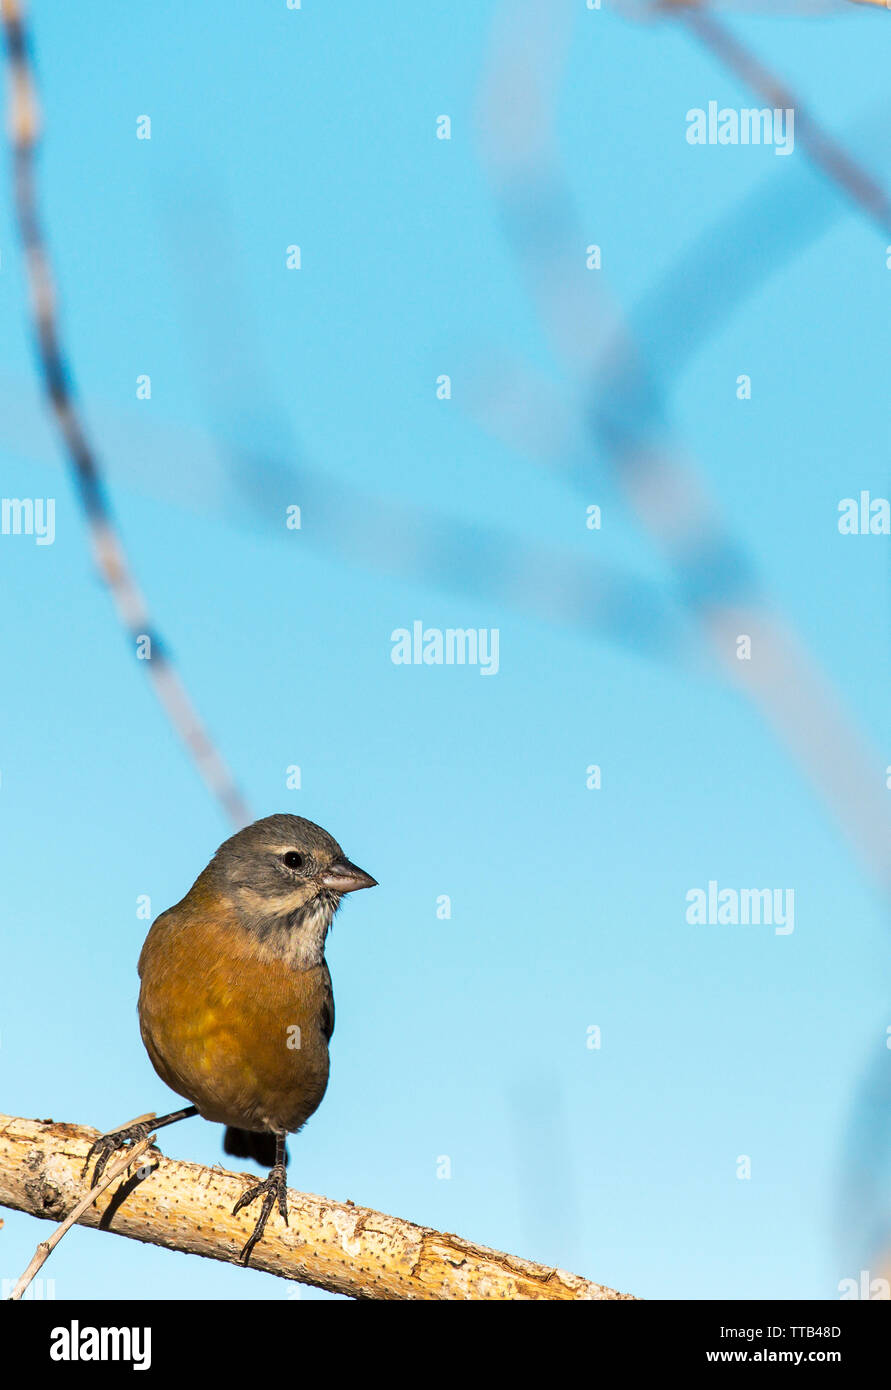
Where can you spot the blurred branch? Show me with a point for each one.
(766, 5)
(108, 549)
(819, 145)
(335, 1246)
(626, 413)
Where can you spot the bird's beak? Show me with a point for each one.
(344, 877)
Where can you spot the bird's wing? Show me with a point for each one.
(327, 1018)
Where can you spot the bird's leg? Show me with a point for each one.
(273, 1189)
(107, 1144)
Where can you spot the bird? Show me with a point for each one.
(236, 1008)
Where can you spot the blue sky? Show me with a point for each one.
(465, 1037)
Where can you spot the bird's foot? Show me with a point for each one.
(273, 1189)
(107, 1144)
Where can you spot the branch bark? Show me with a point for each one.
(333, 1245)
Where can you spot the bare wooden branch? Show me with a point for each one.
(334, 1245)
(46, 1247)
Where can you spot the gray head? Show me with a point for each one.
(285, 876)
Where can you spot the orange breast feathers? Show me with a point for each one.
(237, 1031)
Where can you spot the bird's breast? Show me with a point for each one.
(243, 1036)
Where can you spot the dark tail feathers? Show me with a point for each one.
(245, 1143)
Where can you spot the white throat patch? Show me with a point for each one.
(299, 939)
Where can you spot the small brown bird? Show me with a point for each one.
(236, 1008)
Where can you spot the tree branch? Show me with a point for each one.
(46, 1247)
(335, 1246)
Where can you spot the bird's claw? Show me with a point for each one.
(108, 1144)
(274, 1190)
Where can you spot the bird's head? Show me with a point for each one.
(284, 870)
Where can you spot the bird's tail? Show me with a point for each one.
(246, 1143)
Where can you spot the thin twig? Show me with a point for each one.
(46, 1247)
(107, 545)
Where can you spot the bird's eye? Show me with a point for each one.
(293, 860)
